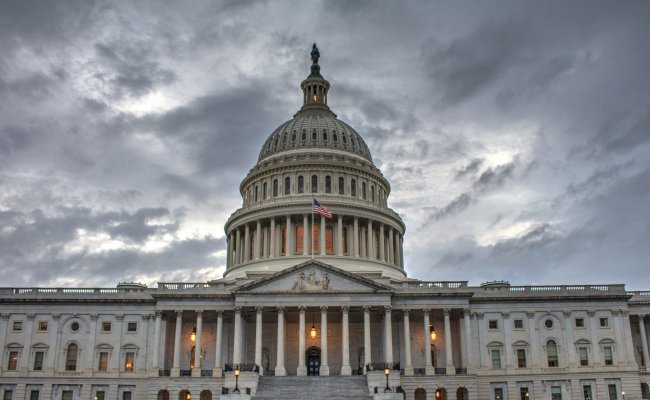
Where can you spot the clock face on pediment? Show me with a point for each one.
(313, 277)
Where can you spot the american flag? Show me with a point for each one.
(322, 210)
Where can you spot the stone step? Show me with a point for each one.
(313, 388)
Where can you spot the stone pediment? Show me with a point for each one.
(313, 277)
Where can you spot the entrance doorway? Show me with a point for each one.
(313, 361)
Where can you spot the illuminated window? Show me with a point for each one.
(13, 361)
(129, 361)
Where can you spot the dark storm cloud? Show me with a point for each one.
(490, 179)
(133, 71)
(470, 168)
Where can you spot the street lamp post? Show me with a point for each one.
(236, 381)
(387, 372)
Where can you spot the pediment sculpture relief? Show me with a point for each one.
(312, 281)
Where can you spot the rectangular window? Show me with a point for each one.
(604, 322)
(67, 395)
(609, 356)
(13, 361)
(613, 393)
(132, 327)
(103, 361)
(38, 360)
(498, 394)
(496, 358)
(17, 326)
(523, 394)
(519, 324)
(521, 358)
(580, 322)
(34, 395)
(8, 395)
(126, 396)
(106, 326)
(129, 361)
(100, 395)
(493, 324)
(556, 393)
(586, 392)
(584, 356)
(42, 326)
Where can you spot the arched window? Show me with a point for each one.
(257, 193)
(304, 135)
(344, 139)
(353, 187)
(363, 190)
(328, 184)
(420, 394)
(314, 184)
(264, 191)
(341, 185)
(284, 138)
(293, 137)
(163, 395)
(301, 184)
(314, 135)
(287, 185)
(275, 188)
(372, 193)
(335, 137)
(551, 353)
(71, 357)
(206, 395)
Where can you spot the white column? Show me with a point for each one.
(382, 250)
(371, 241)
(196, 371)
(321, 234)
(535, 353)
(324, 366)
(258, 239)
(339, 233)
(345, 345)
(238, 256)
(247, 243)
(355, 237)
(230, 247)
(388, 335)
(468, 339)
(408, 365)
(302, 368)
(218, 369)
(363, 242)
(280, 370)
(625, 321)
(367, 350)
(401, 250)
(176, 365)
(644, 342)
(448, 351)
(428, 364)
(155, 365)
(272, 238)
(567, 327)
(306, 246)
(398, 255)
(391, 242)
(258, 338)
(237, 339)
(289, 234)
(593, 330)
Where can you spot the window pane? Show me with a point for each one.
(275, 188)
(498, 394)
(328, 184)
(353, 188)
(609, 359)
(301, 184)
(33, 395)
(586, 391)
(584, 357)
(521, 358)
(551, 353)
(341, 186)
(126, 396)
(13, 360)
(66, 395)
(38, 360)
(101, 395)
(8, 395)
(496, 359)
(103, 361)
(129, 361)
(71, 358)
(613, 393)
(287, 185)
(314, 184)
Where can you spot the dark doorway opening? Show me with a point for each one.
(313, 361)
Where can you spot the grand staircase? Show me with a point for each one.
(312, 387)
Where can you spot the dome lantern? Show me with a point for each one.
(315, 87)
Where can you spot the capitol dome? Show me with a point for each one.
(315, 156)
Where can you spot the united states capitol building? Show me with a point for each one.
(311, 307)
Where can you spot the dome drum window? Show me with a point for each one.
(301, 184)
(314, 184)
(287, 186)
(324, 135)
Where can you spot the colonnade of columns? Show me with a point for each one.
(350, 236)
(644, 341)
(280, 367)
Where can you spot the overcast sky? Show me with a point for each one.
(515, 134)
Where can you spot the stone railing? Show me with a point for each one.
(568, 289)
(430, 285)
(183, 285)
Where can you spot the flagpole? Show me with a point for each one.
(312, 228)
